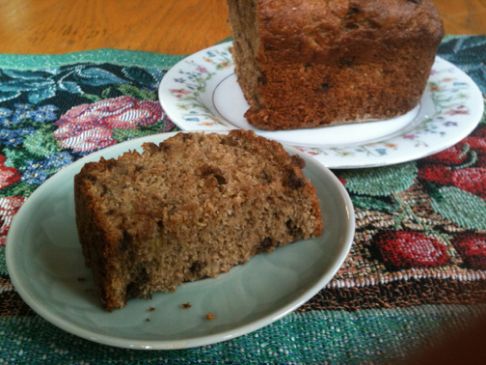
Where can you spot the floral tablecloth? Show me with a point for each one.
(417, 267)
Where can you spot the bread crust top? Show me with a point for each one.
(324, 31)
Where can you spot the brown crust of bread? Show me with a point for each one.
(97, 241)
(331, 62)
(123, 233)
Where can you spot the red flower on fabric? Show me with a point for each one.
(408, 249)
(8, 207)
(471, 179)
(478, 143)
(454, 155)
(8, 175)
(444, 168)
(88, 127)
(457, 154)
(342, 180)
(438, 174)
(472, 248)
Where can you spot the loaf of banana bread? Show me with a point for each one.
(192, 207)
(308, 63)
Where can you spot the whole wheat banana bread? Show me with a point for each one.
(189, 208)
(308, 63)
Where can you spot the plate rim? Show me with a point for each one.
(191, 342)
(377, 161)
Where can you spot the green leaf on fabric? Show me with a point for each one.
(138, 74)
(433, 190)
(70, 86)
(121, 135)
(8, 95)
(3, 263)
(41, 143)
(375, 203)
(381, 181)
(105, 94)
(15, 158)
(463, 208)
(20, 188)
(41, 94)
(96, 76)
(143, 94)
(91, 97)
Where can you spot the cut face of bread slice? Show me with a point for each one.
(189, 208)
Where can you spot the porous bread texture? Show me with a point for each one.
(191, 207)
(309, 63)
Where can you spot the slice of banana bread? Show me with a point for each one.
(189, 208)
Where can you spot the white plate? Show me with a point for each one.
(201, 93)
(45, 261)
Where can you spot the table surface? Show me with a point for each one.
(169, 26)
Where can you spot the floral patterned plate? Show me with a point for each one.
(201, 93)
(46, 266)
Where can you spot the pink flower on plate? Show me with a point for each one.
(459, 110)
(179, 93)
(8, 207)
(88, 127)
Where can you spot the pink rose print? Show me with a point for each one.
(8, 207)
(8, 175)
(88, 127)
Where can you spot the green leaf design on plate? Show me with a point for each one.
(381, 181)
(463, 208)
(41, 143)
(143, 94)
